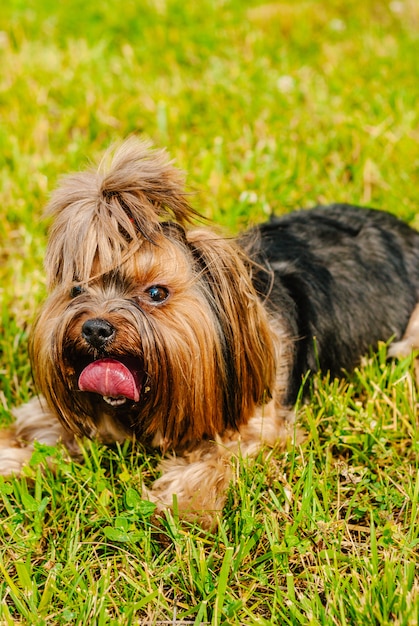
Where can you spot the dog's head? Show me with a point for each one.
(151, 330)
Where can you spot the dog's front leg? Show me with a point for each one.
(195, 484)
(199, 479)
(409, 342)
(34, 422)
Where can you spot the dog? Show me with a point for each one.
(166, 333)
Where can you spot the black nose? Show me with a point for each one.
(97, 332)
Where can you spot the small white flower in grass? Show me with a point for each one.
(396, 6)
(337, 25)
(250, 197)
(4, 39)
(285, 84)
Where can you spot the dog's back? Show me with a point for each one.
(347, 277)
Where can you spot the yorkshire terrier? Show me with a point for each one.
(174, 336)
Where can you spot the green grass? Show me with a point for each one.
(267, 107)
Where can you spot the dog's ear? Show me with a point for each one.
(246, 340)
(101, 215)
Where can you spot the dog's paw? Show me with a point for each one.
(410, 339)
(12, 459)
(194, 487)
(400, 349)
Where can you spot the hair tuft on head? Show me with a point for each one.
(102, 215)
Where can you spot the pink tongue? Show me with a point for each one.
(109, 377)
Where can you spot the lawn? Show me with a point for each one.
(267, 107)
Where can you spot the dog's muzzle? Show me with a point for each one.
(117, 380)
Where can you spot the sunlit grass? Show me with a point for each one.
(267, 106)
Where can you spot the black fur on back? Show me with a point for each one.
(342, 278)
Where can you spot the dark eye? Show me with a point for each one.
(157, 293)
(76, 290)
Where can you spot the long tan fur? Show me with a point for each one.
(215, 364)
